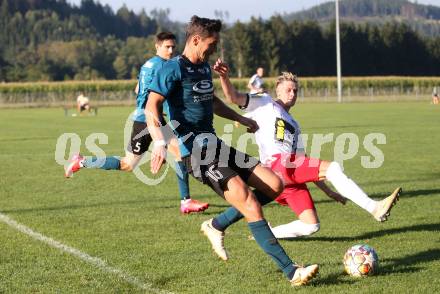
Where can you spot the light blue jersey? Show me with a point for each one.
(147, 73)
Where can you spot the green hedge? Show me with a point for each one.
(403, 83)
(68, 87)
(307, 84)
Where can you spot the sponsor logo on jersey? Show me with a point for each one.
(203, 87)
(284, 131)
(189, 69)
(204, 70)
(204, 97)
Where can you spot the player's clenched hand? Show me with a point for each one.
(221, 68)
(337, 197)
(158, 156)
(251, 125)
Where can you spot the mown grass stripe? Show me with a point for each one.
(101, 264)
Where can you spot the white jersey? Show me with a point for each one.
(278, 131)
(82, 100)
(257, 82)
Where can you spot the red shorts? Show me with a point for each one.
(295, 173)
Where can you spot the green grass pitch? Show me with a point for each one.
(138, 229)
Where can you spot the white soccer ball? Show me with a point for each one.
(361, 260)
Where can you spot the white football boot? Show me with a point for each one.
(383, 207)
(216, 238)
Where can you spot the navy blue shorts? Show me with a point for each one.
(221, 168)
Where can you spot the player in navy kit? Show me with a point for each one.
(185, 82)
(140, 138)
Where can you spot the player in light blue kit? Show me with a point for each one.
(140, 138)
(185, 82)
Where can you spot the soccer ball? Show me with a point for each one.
(360, 261)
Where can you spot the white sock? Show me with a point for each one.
(294, 229)
(347, 188)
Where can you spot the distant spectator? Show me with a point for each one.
(256, 83)
(435, 98)
(82, 103)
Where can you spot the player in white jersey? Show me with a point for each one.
(82, 103)
(281, 149)
(256, 83)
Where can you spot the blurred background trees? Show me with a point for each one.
(54, 40)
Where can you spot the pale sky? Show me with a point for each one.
(238, 9)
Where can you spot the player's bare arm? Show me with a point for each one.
(330, 193)
(153, 113)
(231, 94)
(222, 110)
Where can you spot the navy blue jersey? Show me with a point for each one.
(189, 91)
(146, 75)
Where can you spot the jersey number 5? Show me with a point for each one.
(138, 147)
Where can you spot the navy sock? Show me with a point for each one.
(182, 180)
(112, 162)
(267, 241)
(226, 218)
(232, 215)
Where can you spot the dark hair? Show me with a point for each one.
(164, 36)
(204, 27)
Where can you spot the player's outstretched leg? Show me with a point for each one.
(299, 200)
(216, 234)
(187, 204)
(297, 275)
(350, 190)
(77, 162)
(301, 275)
(295, 229)
(239, 195)
(272, 186)
(231, 215)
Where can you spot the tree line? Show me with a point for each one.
(308, 49)
(54, 40)
(424, 19)
(369, 8)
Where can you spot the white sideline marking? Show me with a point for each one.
(101, 264)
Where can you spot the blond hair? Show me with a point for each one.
(286, 77)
